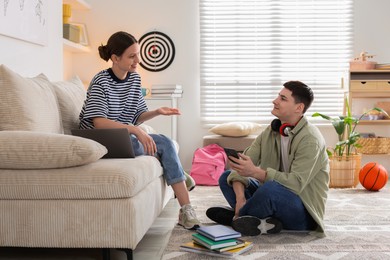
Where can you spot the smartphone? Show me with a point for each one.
(231, 152)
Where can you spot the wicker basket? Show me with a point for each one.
(377, 145)
(344, 171)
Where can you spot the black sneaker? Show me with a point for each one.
(252, 226)
(221, 215)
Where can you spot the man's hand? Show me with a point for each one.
(245, 167)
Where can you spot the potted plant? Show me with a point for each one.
(344, 158)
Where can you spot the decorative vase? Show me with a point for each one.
(344, 171)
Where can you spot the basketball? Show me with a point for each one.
(373, 176)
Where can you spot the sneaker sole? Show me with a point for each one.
(191, 188)
(195, 227)
(252, 226)
(221, 215)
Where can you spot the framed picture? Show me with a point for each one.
(83, 33)
(25, 20)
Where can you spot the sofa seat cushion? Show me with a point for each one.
(103, 179)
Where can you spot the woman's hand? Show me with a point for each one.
(168, 111)
(147, 141)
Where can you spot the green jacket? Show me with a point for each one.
(308, 175)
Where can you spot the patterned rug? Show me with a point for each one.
(357, 226)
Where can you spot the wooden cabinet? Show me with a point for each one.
(366, 89)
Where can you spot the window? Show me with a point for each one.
(249, 48)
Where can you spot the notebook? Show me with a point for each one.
(116, 140)
(218, 232)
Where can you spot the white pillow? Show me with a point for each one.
(71, 95)
(37, 150)
(236, 129)
(28, 104)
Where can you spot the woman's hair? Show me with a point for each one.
(301, 93)
(116, 44)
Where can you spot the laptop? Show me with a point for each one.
(116, 140)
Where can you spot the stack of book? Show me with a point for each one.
(167, 91)
(383, 66)
(217, 240)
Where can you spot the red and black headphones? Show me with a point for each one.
(282, 129)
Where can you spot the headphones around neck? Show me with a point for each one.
(283, 129)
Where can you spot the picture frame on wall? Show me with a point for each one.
(25, 20)
(83, 33)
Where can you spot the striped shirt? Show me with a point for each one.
(113, 98)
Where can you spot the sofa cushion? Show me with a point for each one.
(71, 95)
(103, 179)
(36, 150)
(236, 129)
(28, 103)
(236, 143)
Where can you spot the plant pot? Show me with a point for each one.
(344, 171)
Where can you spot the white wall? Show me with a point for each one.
(372, 30)
(29, 59)
(179, 19)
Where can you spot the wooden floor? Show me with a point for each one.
(150, 247)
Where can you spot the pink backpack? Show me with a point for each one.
(208, 164)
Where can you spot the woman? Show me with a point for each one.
(115, 100)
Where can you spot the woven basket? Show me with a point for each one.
(377, 145)
(344, 171)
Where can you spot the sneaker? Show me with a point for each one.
(252, 226)
(190, 182)
(221, 215)
(187, 217)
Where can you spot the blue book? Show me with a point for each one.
(218, 232)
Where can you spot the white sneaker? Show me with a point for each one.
(187, 217)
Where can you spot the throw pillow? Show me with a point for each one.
(37, 150)
(28, 104)
(147, 128)
(236, 129)
(71, 95)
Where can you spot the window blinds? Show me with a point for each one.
(249, 48)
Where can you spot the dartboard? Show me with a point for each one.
(157, 51)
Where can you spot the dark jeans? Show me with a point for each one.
(270, 199)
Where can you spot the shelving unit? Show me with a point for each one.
(369, 87)
(70, 46)
(163, 125)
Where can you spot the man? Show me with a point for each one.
(281, 180)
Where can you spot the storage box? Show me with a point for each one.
(362, 65)
(71, 32)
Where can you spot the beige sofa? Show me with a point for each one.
(55, 190)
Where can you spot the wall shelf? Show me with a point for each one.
(75, 47)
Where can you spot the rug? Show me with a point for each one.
(357, 224)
